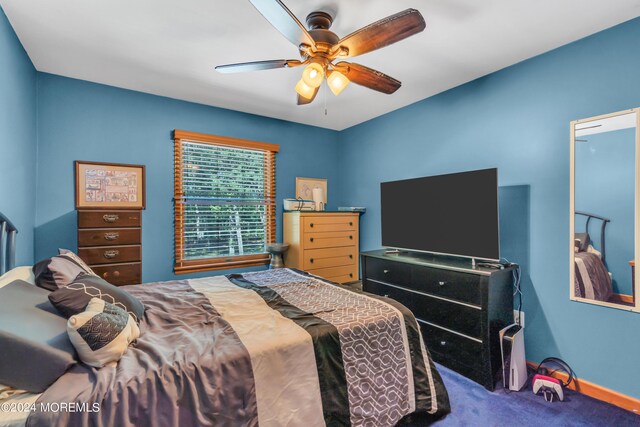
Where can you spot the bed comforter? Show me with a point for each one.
(592, 279)
(271, 348)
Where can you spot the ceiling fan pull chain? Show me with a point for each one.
(325, 98)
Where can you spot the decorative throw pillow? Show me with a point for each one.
(74, 297)
(60, 270)
(102, 333)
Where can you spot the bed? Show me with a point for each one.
(270, 348)
(592, 279)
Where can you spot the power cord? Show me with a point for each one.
(517, 290)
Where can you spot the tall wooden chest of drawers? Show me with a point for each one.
(323, 243)
(460, 309)
(110, 242)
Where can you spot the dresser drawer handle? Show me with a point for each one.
(311, 225)
(350, 237)
(441, 283)
(311, 260)
(443, 343)
(111, 236)
(111, 254)
(106, 274)
(350, 223)
(351, 275)
(350, 256)
(110, 218)
(311, 239)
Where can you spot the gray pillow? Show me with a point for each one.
(35, 348)
(74, 297)
(582, 241)
(60, 270)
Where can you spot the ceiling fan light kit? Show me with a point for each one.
(319, 48)
(305, 90)
(337, 82)
(313, 74)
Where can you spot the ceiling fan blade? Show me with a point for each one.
(368, 77)
(303, 101)
(382, 33)
(257, 66)
(284, 21)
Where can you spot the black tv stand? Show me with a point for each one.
(460, 307)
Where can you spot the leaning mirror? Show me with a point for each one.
(603, 221)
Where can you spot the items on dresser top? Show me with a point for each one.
(323, 243)
(35, 349)
(298, 205)
(460, 309)
(352, 209)
(110, 241)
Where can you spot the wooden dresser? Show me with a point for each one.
(110, 241)
(460, 309)
(323, 243)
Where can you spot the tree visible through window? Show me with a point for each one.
(224, 201)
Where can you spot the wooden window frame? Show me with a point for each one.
(183, 266)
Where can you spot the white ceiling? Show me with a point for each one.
(170, 47)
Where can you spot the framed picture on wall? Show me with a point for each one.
(305, 186)
(109, 185)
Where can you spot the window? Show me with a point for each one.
(224, 201)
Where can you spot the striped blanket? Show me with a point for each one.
(271, 348)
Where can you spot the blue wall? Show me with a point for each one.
(605, 176)
(517, 119)
(78, 120)
(17, 139)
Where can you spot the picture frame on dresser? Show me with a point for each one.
(305, 186)
(102, 185)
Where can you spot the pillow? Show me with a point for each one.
(74, 297)
(34, 347)
(18, 273)
(582, 241)
(102, 333)
(60, 270)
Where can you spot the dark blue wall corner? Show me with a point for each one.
(17, 139)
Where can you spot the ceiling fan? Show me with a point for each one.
(320, 48)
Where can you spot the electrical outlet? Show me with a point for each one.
(515, 317)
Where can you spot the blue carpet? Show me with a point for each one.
(472, 404)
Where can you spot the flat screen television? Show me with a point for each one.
(454, 214)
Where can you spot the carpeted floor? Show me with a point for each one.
(472, 405)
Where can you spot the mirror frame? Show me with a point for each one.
(636, 304)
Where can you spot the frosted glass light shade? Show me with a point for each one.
(337, 82)
(313, 74)
(304, 90)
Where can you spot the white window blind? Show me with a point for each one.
(225, 204)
